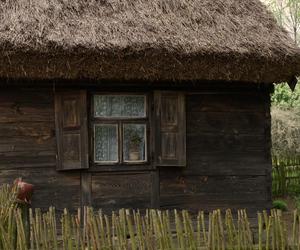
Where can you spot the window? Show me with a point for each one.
(119, 129)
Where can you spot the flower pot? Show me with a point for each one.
(25, 191)
(134, 156)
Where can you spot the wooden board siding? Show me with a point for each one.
(50, 187)
(196, 192)
(226, 134)
(27, 137)
(111, 191)
(28, 148)
(227, 154)
(228, 163)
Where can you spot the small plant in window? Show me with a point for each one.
(134, 145)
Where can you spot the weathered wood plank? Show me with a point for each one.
(232, 143)
(197, 203)
(28, 159)
(246, 102)
(24, 165)
(170, 128)
(71, 130)
(130, 190)
(86, 188)
(191, 191)
(50, 187)
(27, 95)
(226, 134)
(110, 204)
(26, 114)
(210, 199)
(128, 184)
(227, 157)
(213, 192)
(225, 123)
(27, 135)
(176, 183)
(15, 144)
(26, 105)
(224, 165)
(268, 145)
(155, 189)
(27, 129)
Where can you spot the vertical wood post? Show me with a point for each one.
(86, 189)
(155, 188)
(268, 142)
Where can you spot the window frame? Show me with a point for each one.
(120, 122)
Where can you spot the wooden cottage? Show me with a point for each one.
(140, 104)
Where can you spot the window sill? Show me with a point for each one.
(120, 168)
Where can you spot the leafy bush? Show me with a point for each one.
(285, 132)
(286, 121)
(284, 97)
(297, 202)
(280, 204)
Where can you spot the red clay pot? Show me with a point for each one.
(25, 191)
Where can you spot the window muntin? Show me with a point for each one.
(119, 106)
(120, 128)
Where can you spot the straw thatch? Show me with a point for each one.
(140, 39)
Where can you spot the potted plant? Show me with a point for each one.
(134, 146)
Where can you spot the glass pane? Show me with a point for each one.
(134, 143)
(106, 143)
(119, 106)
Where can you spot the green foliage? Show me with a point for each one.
(284, 97)
(286, 121)
(297, 202)
(285, 176)
(285, 132)
(287, 14)
(280, 204)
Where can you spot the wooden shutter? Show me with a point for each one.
(71, 130)
(170, 127)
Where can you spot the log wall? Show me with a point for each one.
(28, 147)
(228, 156)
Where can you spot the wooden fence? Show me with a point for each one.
(153, 230)
(286, 176)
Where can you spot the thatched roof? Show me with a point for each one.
(142, 39)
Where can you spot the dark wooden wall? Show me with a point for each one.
(28, 147)
(228, 158)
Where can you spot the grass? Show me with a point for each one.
(280, 204)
